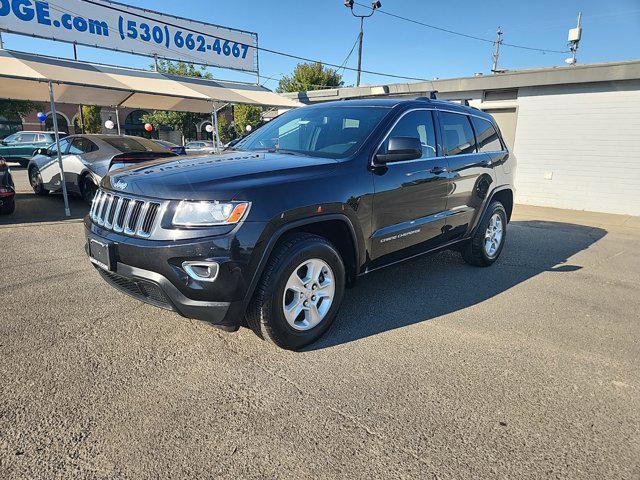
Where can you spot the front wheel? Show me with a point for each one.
(299, 293)
(36, 182)
(485, 246)
(88, 189)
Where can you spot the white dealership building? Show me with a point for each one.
(574, 130)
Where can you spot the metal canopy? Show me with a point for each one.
(25, 76)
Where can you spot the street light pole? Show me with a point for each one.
(374, 6)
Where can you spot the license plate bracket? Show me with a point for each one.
(100, 254)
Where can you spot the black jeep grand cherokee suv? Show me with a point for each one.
(270, 234)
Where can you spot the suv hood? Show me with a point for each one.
(213, 177)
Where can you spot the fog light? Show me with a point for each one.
(201, 271)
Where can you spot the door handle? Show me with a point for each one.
(438, 170)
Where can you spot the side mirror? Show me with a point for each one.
(399, 149)
(40, 151)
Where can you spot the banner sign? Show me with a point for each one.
(123, 28)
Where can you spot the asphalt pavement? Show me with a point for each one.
(433, 368)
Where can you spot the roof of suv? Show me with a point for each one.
(392, 102)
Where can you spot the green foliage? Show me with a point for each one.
(244, 115)
(310, 76)
(182, 68)
(227, 132)
(184, 121)
(11, 109)
(92, 119)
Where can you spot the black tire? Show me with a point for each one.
(35, 179)
(265, 315)
(8, 208)
(88, 189)
(475, 251)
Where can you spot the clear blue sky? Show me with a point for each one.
(324, 29)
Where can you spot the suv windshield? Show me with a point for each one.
(332, 131)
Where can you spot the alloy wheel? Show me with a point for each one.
(308, 294)
(493, 235)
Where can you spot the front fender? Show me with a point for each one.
(275, 231)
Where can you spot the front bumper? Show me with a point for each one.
(152, 271)
(153, 288)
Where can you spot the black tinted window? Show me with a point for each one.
(457, 134)
(486, 135)
(127, 145)
(417, 124)
(82, 145)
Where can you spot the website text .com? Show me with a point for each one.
(155, 34)
(29, 11)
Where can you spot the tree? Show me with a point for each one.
(183, 69)
(309, 76)
(244, 115)
(92, 119)
(186, 122)
(17, 108)
(227, 132)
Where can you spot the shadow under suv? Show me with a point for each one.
(269, 235)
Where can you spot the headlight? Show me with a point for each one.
(206, 214)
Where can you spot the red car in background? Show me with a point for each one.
(7, 189)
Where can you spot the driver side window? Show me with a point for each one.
(417, 124)
(64, 144)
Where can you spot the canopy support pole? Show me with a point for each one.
(118, 119)
(216, 136)
(54, 116)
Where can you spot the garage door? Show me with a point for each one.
(578, 147)
(506, 119)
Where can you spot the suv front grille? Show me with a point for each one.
(132, 216)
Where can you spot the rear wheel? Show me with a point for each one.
(88, 189)
(299, 293)
(485, 246)
(35, 179)
(8, 208)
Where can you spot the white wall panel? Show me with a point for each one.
(586, 137)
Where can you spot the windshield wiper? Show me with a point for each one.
(277, 150)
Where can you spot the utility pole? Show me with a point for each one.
(360, 37)
(374, 6)
(574, 41)
(496, 53)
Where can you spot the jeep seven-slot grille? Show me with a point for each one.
(132, 216)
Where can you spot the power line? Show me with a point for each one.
(262, 49)
(346, 59)
(460, 34)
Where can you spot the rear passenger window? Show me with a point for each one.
(457, 134)
(486, 135)
(417, 124)
(82, 145)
